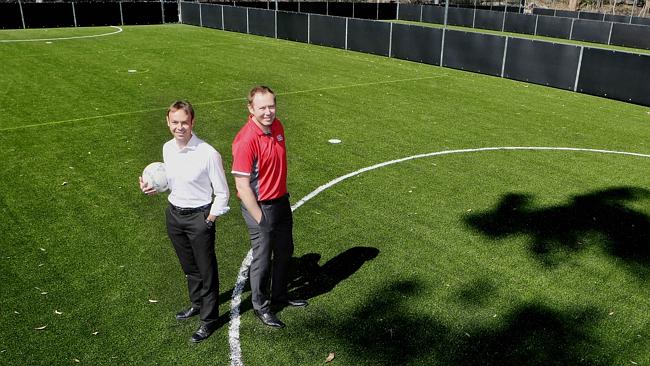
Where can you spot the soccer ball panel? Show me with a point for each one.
(156, 176)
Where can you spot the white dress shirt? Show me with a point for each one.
(194, 174)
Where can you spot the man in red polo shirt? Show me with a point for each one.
(260, 170)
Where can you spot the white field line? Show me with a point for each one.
(241, 99)
(235, 316)
(119, 30)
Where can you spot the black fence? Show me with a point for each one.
(558, 24)
(564, 25)
(593, 16)
(83, 14)
(616, 75)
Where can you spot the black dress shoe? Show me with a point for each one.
(188, 313)
(202, 333)
(268, 318)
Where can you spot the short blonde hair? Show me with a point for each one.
(260, 89)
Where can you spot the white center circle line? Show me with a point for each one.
(119, 30)
(242, 277)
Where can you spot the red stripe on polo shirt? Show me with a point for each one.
(263, 157)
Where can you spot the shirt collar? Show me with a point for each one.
(257, 129)
(191, 145)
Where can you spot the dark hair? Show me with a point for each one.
(260, 89)
(184, 105)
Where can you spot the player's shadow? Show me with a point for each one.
(388, 329)
(308, 279)
(600, 218)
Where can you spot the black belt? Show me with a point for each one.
(190, 210)
(275, 200)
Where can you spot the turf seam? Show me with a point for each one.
(219, 101)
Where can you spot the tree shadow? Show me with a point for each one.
(477, 293)
(598, 218)
(386, 331)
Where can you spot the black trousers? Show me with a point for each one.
(272, 244)
(194, 244)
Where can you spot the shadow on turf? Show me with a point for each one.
(387, 331)
(308, 279)
(597, 218)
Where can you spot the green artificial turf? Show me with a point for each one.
(483, 258)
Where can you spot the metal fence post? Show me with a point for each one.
(247, 23)
(474, 17)
(575, 86)
(505, 54)
(397, 15)
(200, 15)
(74, 15)
(180, 13)
(121, 15)
(162, 11)
(346, 32)
(444, 31)
(22, 16)
(377, 10)
(390, 40)
(611, 26)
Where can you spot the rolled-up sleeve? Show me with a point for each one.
(219, 185)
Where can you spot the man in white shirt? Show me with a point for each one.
(195, 174)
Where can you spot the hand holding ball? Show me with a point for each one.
(155, 176)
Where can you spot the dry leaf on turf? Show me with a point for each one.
(41, 328)
(153, 301)
(57, 312)
(76, 360)
(330, 357)
(95, 333)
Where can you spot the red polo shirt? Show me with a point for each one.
(262, 157)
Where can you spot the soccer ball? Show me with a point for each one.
(156, 176)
